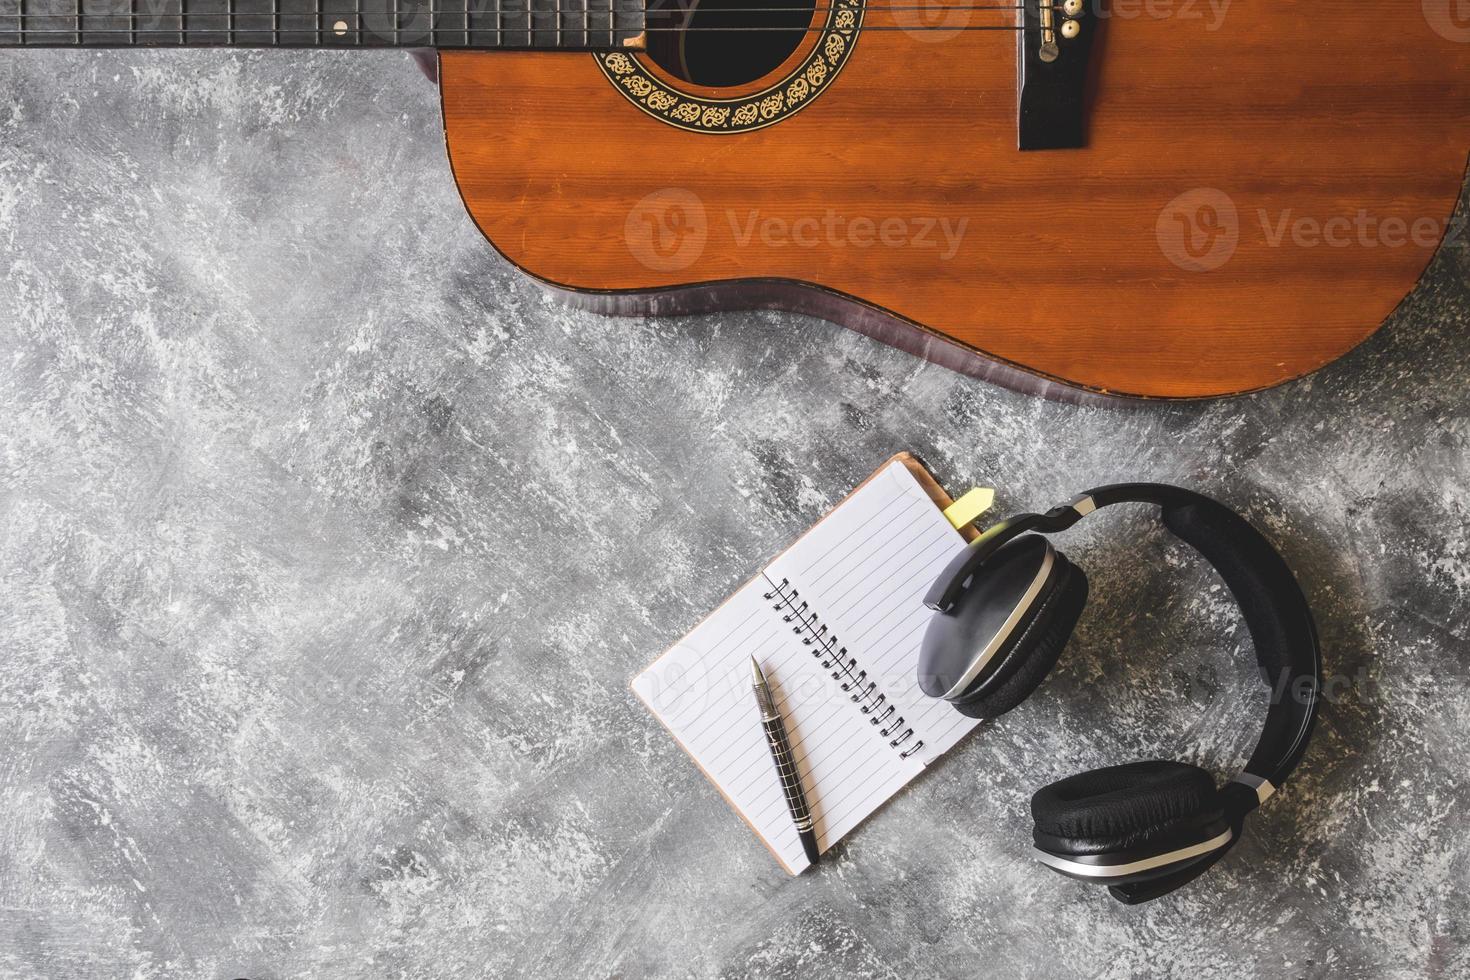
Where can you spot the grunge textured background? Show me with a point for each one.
(329, 548)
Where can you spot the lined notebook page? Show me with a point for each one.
(863, 572)
(866, 579)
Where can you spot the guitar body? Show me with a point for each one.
(1260, 187)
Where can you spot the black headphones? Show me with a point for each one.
(1005, 607)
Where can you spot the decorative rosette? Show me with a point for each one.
(771, 105)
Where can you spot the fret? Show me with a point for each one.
(171, 20)
(593, 19)
(370, 23)
(471, 26)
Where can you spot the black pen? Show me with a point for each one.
(785, 763)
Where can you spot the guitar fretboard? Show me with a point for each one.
(586, 25)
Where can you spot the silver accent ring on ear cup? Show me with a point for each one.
(1080, 869)
(993, 647)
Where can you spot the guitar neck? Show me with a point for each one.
(552, 25)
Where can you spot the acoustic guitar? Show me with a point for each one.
(1159, 198)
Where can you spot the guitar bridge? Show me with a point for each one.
(1054, 49)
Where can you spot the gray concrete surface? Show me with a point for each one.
(329, 549)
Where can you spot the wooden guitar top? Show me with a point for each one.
(1264, 181)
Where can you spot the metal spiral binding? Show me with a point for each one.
(863, 692)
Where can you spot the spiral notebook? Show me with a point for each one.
(835, 622)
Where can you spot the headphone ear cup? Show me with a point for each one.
(1111, 807)
(1125, 815)
(1031, 654)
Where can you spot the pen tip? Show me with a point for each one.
(756, 677)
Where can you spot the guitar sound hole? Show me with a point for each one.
(721, 43)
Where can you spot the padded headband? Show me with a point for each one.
(1275, 611)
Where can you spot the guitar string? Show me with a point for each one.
(430, 8)
(451, 12)
(311, 17)
(169, 36)
(459, 29)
